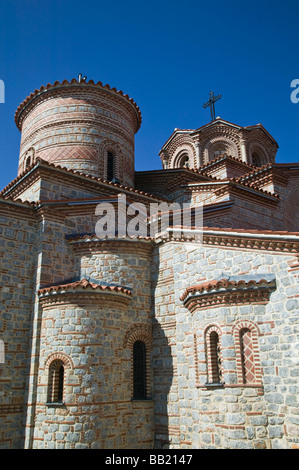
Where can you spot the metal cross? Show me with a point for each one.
(81, 79)
(211, 104)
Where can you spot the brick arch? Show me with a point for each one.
(66, 360)
(55, 364)
(180, 153)
(255, 146)
(231, 145)
(104, 148)
(248, 360)
(142, 333)
(138, 332)
(28, 158)
(213, 366)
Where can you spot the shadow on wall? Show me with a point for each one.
(162, 382)
(291, 212)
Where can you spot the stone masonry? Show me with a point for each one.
(152, 341)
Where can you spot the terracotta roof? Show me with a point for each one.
(226, 284)
(253, 187)
(220, 158)
(215, 122)
(75, 83)
(83, 284)
(39, 162)
(202, 172)
(29, 204)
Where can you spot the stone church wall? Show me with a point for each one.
(90, 332)
(236, 415)
(17, 287)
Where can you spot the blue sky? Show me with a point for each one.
(167, 55)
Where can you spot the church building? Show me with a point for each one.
(169, 340)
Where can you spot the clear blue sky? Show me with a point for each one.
(167, 55)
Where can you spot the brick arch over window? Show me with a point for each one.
(111, 161)
(29, 158)
(212, 336)
(138, 340)
(225, 144)
(247, 353)
(57, 364)
(258, 154)
(61, 356)
(184, 157)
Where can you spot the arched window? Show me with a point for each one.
(139, 370)
(110, 166)
(218, 152)
(220, 148)
(28, 162)
(184, 162)
(213, 352)
(247, 353)
(215, 357)
(60, 384)
(256, 159)
(247, 356)
(56, 382)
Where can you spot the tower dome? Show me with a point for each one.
(82, 126)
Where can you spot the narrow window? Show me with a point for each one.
(247, 358)
(28, 162)
(256, 159)
(56, 382)
(60, 384)
(139, 370)
(184, 162)
(215, 358)
(110, 166)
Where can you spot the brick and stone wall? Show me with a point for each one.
(98, 410)
(90, 331)
(17, 286)
(75, 125)
(236, 415)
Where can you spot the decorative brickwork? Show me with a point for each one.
(146, 342)
(69, 123)
(247, 353)
(252, 145)
(213, 354)
(140, 333)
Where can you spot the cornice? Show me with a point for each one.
(265, 174)
(227, 292)
(80, 85)
(60, 293)
(31, 174)
(278, 242)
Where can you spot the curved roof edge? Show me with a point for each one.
(74, 83)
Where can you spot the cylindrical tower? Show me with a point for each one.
(83, 126)
(94, 385)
